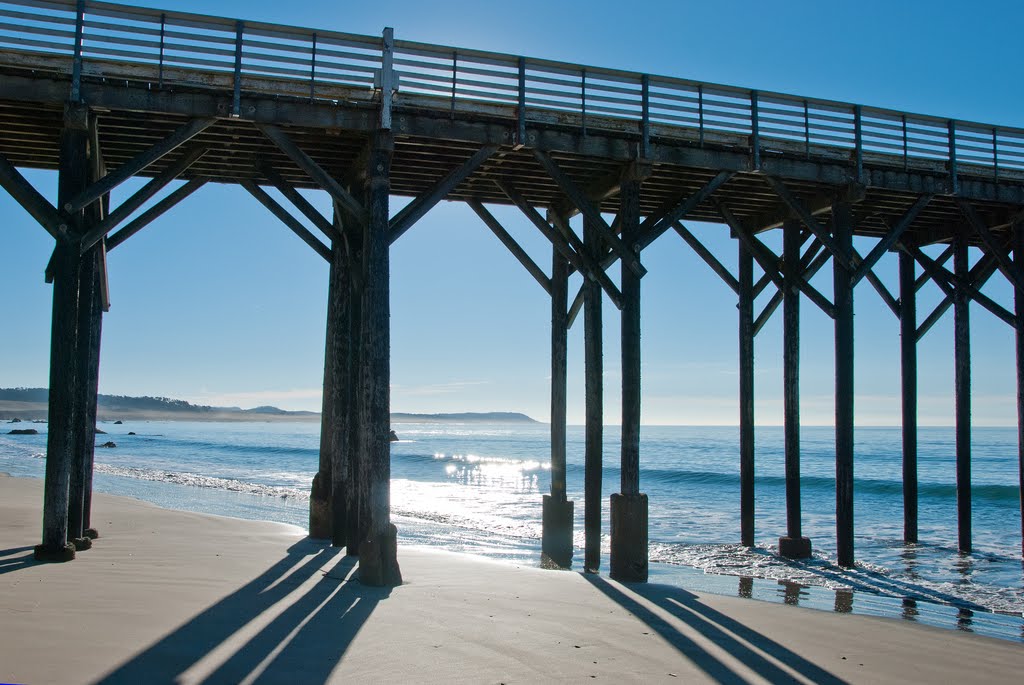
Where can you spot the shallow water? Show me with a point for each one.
(477, 488)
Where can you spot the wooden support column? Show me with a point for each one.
(793, 545)
(92, 302)
(593, 466)
(328, 502)
(358, 497)
(908, 374)
(1018, 304)
(378, 553)
(556, 535)
(962, 382)
(746, 348)
(629, 507)
(842, 234)
(63, 396)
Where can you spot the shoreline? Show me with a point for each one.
(166, 595)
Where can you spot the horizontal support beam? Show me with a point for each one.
(154, 212)
(415, 210)
(137, 164)
(287, 219)
(510, 243)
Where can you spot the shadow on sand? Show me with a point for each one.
(756, 651)
(16, 558)
(302, 642)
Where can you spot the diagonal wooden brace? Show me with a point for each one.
(303, 205)
(287, 219)
(510, 243)
(126, 208)
(32, 200)
(581, 261)
(586, 207)
(868, 263)
(415, 210)
(660, 221)
(1011, 271)
(809, 220)
(314, 170)
(95, 191)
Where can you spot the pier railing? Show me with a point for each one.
(594, 98)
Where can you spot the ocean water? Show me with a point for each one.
(477, 488)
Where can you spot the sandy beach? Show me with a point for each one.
(167, 596)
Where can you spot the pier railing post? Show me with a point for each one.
(962, 383)
(629, 507)
(908, 375)
(594, 390)
(746, 382)
(843, 295)
(64, 405)
(793, 544)
(556, 536)
(378, 553)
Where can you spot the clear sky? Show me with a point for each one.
(217, 303)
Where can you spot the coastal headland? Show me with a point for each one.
(169, 596)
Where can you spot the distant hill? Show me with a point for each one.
(31, 404)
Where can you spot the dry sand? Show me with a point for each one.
(167, 596)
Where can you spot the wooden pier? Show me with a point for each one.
(102, 93)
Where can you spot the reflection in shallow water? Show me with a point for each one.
(965, 620)
(910, 611)
(746, 589)
(844, 601)
(792, 592)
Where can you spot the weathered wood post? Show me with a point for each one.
(358, 497)
(629, 507)
(793, 545)
(60, 445)
(328, 514)
(842, 277)
(91, 305)
(594, 393)
(557, 512)
(908, 375)
(1018, 306)
(378, 553)
(962, 383)
(746, 381)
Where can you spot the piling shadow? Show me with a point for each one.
(741, 642)
(302, 644)
(16, 558)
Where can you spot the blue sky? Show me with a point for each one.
(217, 303)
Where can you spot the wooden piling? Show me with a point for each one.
(793, 545)
(334, 423)
(86, 363)
(746, 381)
(908, 376)
(843, 295)
(594, 391)
(629, 507)
(556, 532)
(962, 382)
(1018, 306)
(357, 511)
(74, 176)
(378, 557)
